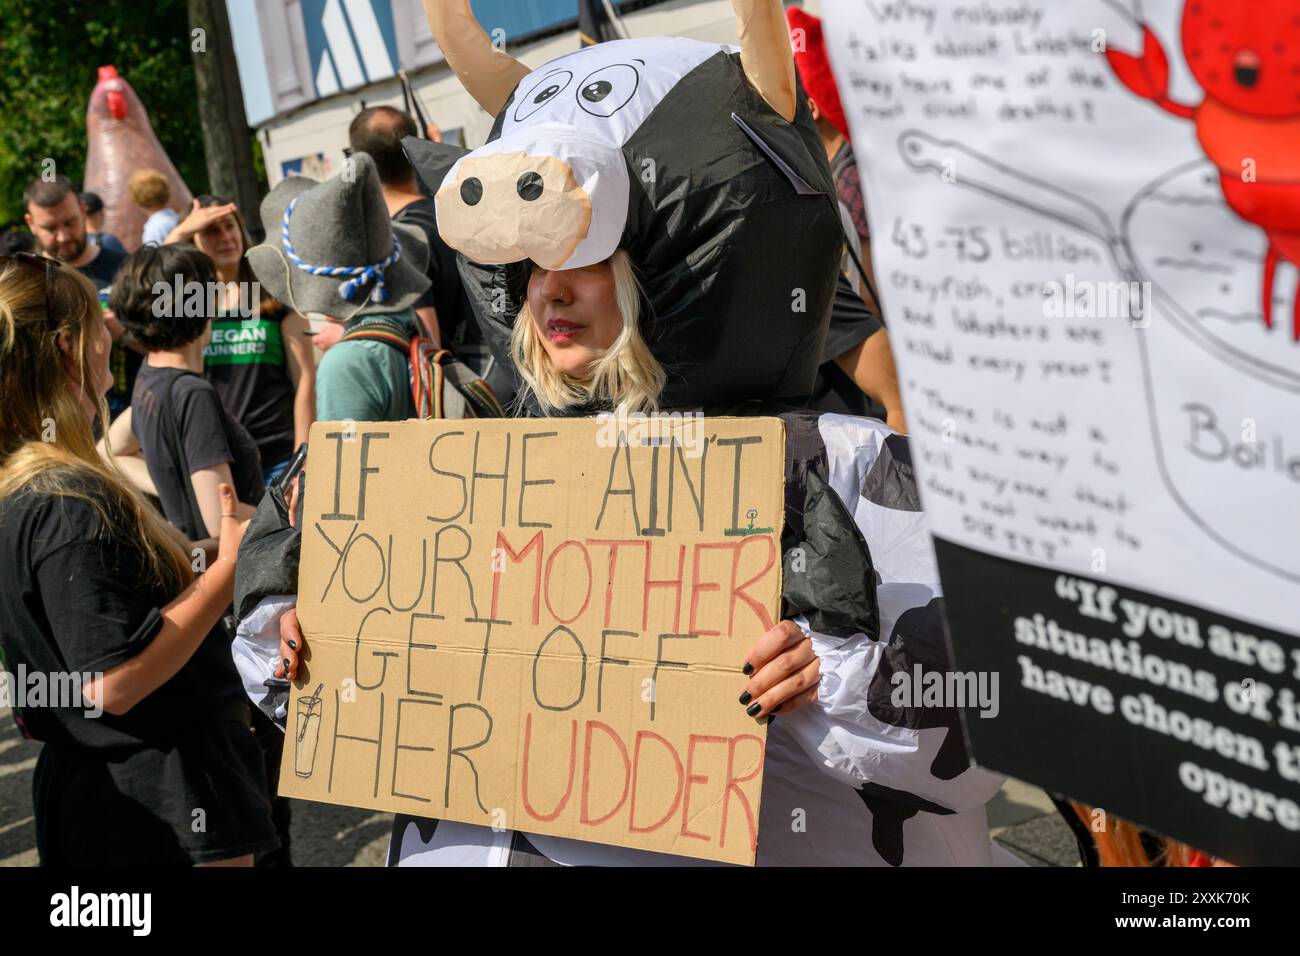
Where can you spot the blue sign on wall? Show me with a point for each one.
(350, 42)
(353, 42)
(519, 18)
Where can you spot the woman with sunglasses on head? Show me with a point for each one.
(260, 359)
(152, 763)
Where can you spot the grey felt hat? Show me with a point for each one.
(332, 248)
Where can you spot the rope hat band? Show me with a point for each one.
(356, 278)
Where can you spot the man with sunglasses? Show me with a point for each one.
(57, 219)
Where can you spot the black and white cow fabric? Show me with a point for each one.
(855, 780)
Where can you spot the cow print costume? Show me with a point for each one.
(852, 780)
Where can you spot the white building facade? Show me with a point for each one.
(307, 67)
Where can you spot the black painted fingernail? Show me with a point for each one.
(776, 708)
(771, 718)
(286, 667)
(753, 709)
(747, 669)
(746, 697)
(293, 645)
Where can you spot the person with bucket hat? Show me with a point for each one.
(332, 250)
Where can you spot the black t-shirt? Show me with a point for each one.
(103, 268)
(120, 789)
(77, 601)
(122, 361)
(208, 438)
(852, 323)
(247, 362)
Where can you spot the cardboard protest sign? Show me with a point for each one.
(539, 625)
(1084, 253)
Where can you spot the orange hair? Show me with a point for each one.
(1119, 843)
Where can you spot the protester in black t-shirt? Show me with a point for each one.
(143, 716)
(445, 308)
(57, 219)
(259, 358)
(189, 442)
(857, 376)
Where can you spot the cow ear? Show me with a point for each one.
(488, 74)
(765, 52)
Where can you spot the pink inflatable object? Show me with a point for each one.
(120, 141)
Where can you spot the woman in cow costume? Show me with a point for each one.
(701, 170)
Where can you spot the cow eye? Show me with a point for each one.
(609, 89)
(542, 92)
(595, 92)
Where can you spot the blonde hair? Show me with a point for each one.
(626, 376)
(148, 189)
(47, 444)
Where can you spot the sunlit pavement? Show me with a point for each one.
(1021, 819)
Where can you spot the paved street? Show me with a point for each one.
(1021, 819)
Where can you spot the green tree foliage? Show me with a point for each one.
(49, 55)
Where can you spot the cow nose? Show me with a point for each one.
(1245, 67)
(505, 206)
(530, 187)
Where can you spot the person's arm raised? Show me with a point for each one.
(187, 621)
(199, 218)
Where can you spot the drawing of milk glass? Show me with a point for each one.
(309, 714)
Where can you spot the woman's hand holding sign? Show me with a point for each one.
(291, 641)
(783, 672)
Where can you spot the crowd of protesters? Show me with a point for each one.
(172, 423)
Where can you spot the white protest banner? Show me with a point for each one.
(1085, 230)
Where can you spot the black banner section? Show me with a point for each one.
(1173, 717)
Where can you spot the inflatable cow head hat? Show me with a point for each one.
(703, 164)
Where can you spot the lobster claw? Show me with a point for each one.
(1147, 75)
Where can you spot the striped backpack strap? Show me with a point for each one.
(379, 329)
(480, 400)
(427, 378)
(441, 385)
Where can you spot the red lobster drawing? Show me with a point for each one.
(1246, 57)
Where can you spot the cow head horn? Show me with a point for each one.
(765, 52)
(488, 74)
